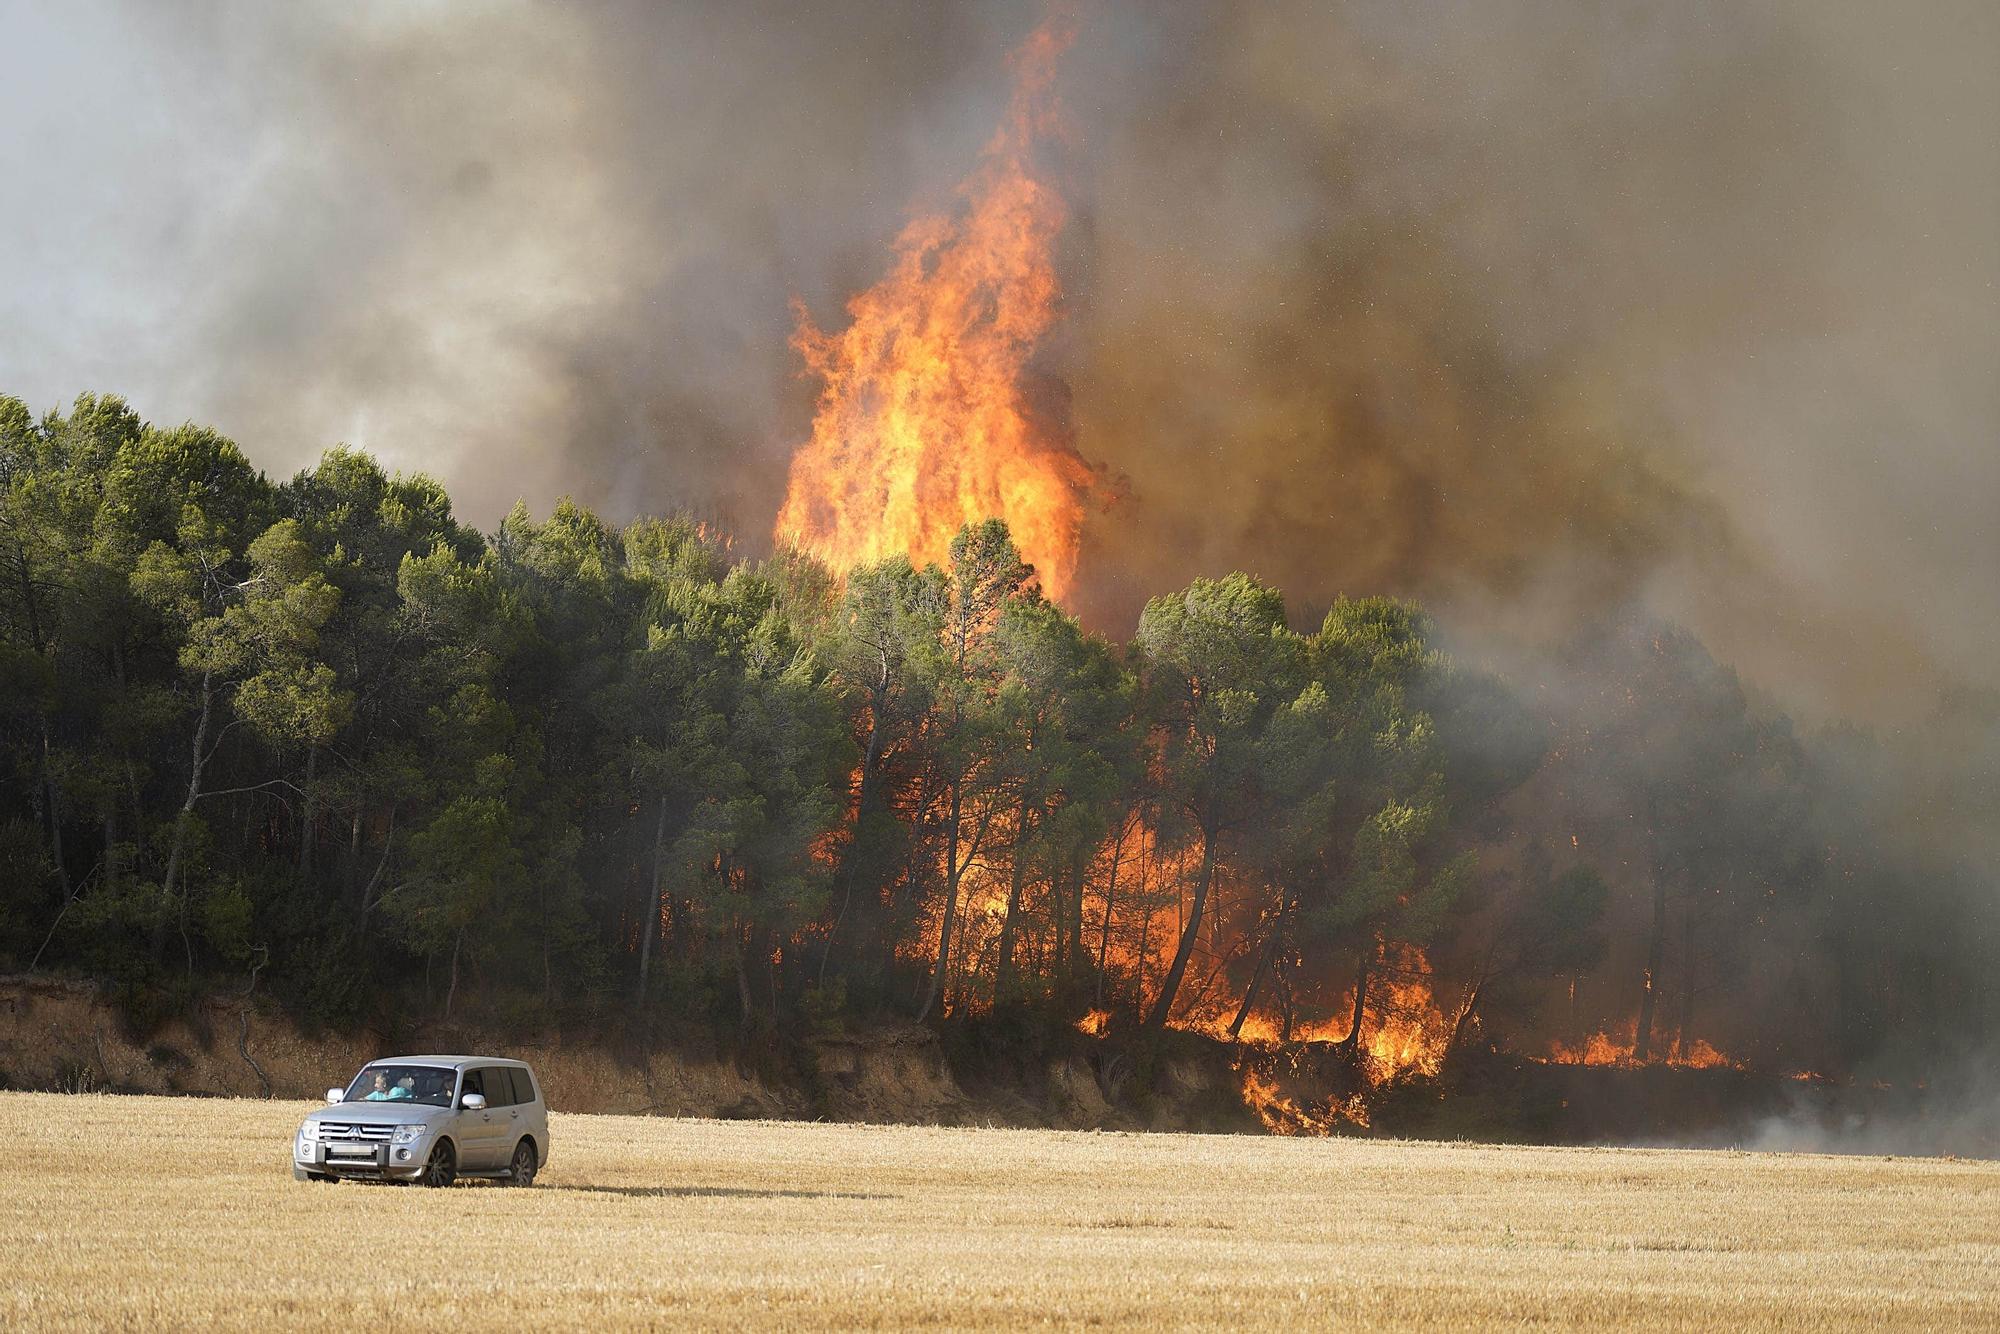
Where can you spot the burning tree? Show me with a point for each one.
(1221, 669)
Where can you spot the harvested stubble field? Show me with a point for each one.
(150, 1212)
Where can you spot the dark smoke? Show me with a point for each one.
(1634, 302)
(1533, 310)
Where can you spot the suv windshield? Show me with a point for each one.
(427, 1084)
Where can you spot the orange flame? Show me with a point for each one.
(1602, 1048)
(1405, 1033)
(1284, 1115)
(924, 420)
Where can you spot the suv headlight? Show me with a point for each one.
(410, 1134)
(307, 1134)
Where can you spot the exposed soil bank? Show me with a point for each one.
(58, 1034)
(65, 1035)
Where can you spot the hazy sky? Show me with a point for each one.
(1540, 311)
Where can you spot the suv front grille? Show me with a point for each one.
(369, 1132)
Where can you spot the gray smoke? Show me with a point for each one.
(1956, 1112)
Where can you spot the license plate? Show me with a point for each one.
(350, 1151)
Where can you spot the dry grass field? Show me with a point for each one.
(152, 1212)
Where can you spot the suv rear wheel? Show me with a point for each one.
(442, 1169)
(522, 1171)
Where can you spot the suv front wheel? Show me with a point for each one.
(442, 1169)
(522, 1171)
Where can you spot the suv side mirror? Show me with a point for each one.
(333, 1095)
(472, 1102)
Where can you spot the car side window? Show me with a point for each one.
(499, 1093)
(524, 1086)
(473, 1084)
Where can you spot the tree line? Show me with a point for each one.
(321, 733)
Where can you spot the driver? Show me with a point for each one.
(380, 1093)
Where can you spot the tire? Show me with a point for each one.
(442, 1169)
(527, 1162)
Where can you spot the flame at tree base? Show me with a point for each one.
(1601, 1048)
(1404, 1033)
(1282, 1115)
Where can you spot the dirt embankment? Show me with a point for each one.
(65, 1035)
(59, 1034)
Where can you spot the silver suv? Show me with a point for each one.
(432, 1119)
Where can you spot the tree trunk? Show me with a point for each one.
(1288, 1009)
(743, 976)
(1656, 949)
(1057, 964)
(352, 871)
(1110, 894)
(1003, 966)
(1684, 1028)
(947, 999)
(1465, 1013)
(864, 801)
(1364, 959)
(52, 793)
(1146, 864)
(650, 918)
(451, 992)
(179, 845)
(55, 809)
(367, 903)
(1164, 1006)
(309, 813)
(138, 824)
(951, 873)
(773, 957)
(871, 756)
(913, 886)
(1264, 958)
(1078, 957)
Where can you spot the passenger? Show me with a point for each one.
(403, 1088)
(380, 1093)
